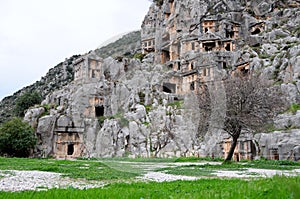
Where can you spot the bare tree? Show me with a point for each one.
(161, 137)
(251, 104)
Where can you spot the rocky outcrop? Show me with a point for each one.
(127, 107)
(279, 145)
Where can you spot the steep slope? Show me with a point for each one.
(63, 73)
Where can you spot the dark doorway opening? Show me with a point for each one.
(166, 89)
(209, 46)
(227, 47)
(192, 86)
(99, 111)
(229, 34)
(224, 65)
(70, 149)
(256, 31)
(165, 56)
(192, 66)
(178, 66)
(169, 88)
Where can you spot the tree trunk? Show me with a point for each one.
(231, 150)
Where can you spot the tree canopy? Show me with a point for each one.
(249, 104)
(25, 101)
(17, 138)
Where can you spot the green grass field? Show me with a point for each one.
(120, 177)
(276, 187)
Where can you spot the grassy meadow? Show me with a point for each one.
(120, 175)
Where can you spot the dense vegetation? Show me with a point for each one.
(25, 101)
(126, 46)
(16, 138)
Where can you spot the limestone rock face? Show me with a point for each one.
(45, 133)
(288, 120)
(279, 145)
(149, 107)
(32, 114)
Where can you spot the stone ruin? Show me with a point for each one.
(195, 45)
(87, 68)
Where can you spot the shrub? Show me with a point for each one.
(25, 101)
(177, 104)
(294, 108)
(139, 56)
(16, 138)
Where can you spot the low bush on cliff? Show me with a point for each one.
(294, 108)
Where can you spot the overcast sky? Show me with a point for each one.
(36, 35)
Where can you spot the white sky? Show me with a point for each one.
(36, 35)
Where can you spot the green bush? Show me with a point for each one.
(177, 104)
(25, 101)
(294, 108)
(139, 56)
(16, 138)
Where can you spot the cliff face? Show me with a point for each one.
(149, 108)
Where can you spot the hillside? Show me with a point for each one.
(63, 73)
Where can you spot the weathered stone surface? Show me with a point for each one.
(45, 132)
(32, 115)
(287, 121)
(128, 107)
(296, 152)
(279, 145)
(291, 93)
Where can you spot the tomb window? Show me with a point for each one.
(228, 47)
(178, 48)
(167, 90)
(93, 74)
(178, 66)
(165, 56)
(193, 46)
(209, 46)
(256, 31)
(192, 86)
(274, 154)
(192, 66)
